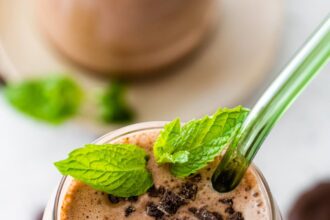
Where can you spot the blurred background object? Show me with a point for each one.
(126, 37)
(313, 204)
(226, 71)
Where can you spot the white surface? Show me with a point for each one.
(187, 90)
(295, 155)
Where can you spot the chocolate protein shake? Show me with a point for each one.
(170, 197)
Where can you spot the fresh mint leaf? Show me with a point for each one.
(52, 99)
(198, 142)
(113, 104)
(117, 169)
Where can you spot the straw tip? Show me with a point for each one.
(224, 181)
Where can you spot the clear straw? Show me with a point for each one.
(271, 106)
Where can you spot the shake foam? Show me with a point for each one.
(170, 198)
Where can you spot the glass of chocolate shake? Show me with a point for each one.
(169, 197)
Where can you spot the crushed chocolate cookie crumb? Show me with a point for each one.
(236, 216)
(204, 214)
(247, 188)
(196, 178)
(153, 211)
(192, 210)
(133, 198)
(161, 191)
(227, 201)
(188, 190)
(113, 199)
(154, 192)
(256, 194)
(217, 215)
(230, 210)
(129, 210)
(170, 202)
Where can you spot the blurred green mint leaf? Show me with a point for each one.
(192, 146)
(113, 104)
(53, 99)
(117, 169)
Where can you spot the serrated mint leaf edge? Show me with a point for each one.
(140, 173)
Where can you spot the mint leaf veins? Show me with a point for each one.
(52, 99)
(117, 169)
(192, 146)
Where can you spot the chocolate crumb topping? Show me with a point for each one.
(129, 210)
(227, 201)
(133, 198)
(236, 216)
(204, 214)
(170, 202)
(188, 190)
(195, 178)
(153, 211)
(256, 194)
(217, 215)
(154, 192)
(113, 199)
(247, 188)
(230, 210)
(192, 210)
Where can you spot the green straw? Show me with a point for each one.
(271, 106)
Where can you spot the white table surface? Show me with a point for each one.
(296, 154)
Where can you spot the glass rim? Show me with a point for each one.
(138, 127)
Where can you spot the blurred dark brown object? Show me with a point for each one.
(2, 81)
(313, 204)
(126, 36)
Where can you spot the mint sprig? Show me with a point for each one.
(117, 169)
(114, 107)
(52, 99)
(192, 146)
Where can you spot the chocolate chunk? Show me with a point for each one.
(193, 210)
(153, 211)
(133, 198)
(154, 192)
(196, 178)
(217, 215)
(161, 191)
(129, 210)
(188, 190)
(170, 202)
(113, 199)
(247, 188)
(229, 210)
(204, 214)
(236, 216)
(228, 202)
(313, 204)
